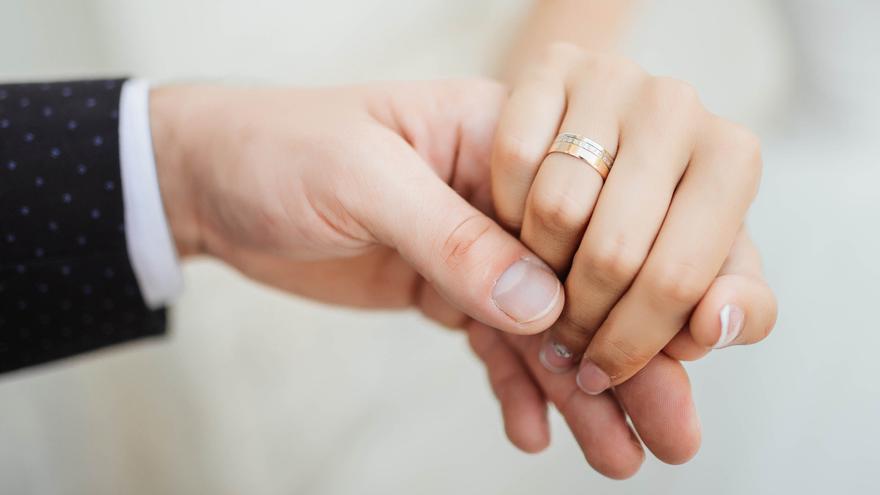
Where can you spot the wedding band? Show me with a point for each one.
(589, 144)
(586, 149)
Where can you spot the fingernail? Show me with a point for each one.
(527, 290)
(555, 356)
(732, 318)
(591, 379)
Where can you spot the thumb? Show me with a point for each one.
(474, 263)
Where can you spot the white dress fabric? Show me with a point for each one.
(256, 392)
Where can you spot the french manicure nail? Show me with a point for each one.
(527, 290)
(591, 379)
(732, 318)
(555, 357)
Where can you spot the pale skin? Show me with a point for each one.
(381, 197)
(648, 267)
(353, 195)
(553, 204)
(673, 145)
(261, 180)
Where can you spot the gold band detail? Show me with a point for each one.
(592, 159)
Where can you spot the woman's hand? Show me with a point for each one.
(641, 249)
(354, 196)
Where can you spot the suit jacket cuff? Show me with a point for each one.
(150, 245)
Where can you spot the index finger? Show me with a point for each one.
(657, 400)
(597, 422)
(525, 131)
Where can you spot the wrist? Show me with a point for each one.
(172, 145)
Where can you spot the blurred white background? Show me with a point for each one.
(259, 393)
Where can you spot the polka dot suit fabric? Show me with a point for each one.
(66, 283)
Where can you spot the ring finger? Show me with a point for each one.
(565, 189)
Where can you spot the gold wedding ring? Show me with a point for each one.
(586, 149)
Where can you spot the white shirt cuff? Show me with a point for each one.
(150, 245)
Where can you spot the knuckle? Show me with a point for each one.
(573, 334)
(612, 261)
(482, 93)
(619, 356)
(510, 219)
(505, 385)
(482, 340)
(673, 97)
(742, 146)
(475, 89)
(669, 107)
(678, 283)
(559, 52)
(741, 141)
(675, 90)
(558, 213)
(483, 87)
(750, 144)
(459, 243)
(517, 156)
(545, 79)
(611, 67)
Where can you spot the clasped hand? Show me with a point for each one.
(441, 196)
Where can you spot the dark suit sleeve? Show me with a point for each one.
(66, 283)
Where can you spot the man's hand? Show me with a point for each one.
(657, 400)
(359, 196)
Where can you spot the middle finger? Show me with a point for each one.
(565, 188)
